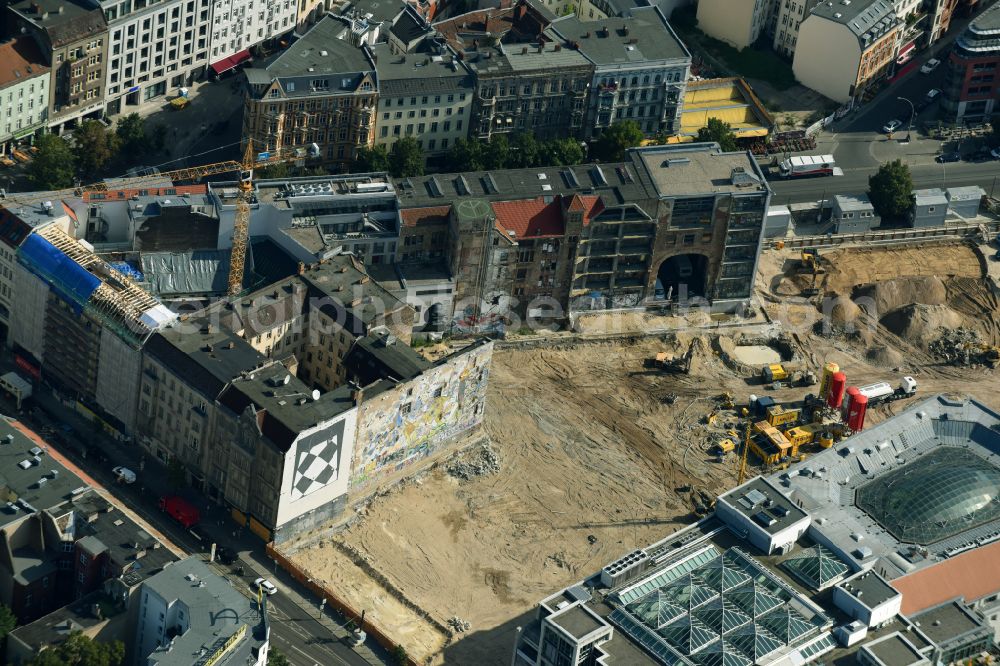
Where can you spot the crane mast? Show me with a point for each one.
(241, 223)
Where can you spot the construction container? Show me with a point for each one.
(725, 446)
(799, 436)
(826, 440)
(824, 382)
(856, 412)
(773, 373)
(835, 397)
(770, 444)
(762, 404)
(779, 416)
(852, 393)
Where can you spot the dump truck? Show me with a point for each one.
(804, 166)
(180, 510)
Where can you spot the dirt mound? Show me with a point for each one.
(842, 310)
(920, 324)
(888, 295)
(884, 357)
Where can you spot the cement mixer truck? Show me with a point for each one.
(884, 392)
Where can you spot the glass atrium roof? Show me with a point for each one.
(937, 496)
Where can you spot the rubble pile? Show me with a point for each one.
(481, 461)
(959, 346)
(458, 624)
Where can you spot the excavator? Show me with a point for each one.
(809, 262)
(673, 363)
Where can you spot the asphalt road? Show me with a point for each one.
(956, 174)
(295, 629)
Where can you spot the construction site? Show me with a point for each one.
(598, 444)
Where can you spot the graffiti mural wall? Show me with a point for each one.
(413, 420)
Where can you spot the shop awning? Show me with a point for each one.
(232, 61)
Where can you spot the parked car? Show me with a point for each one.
(932, 94)
(953, 156)
(892, 126)
(995, 153)
(124, 474)
(226, 555)
(930, 66)
(265, 585)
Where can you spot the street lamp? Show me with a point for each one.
(913, 112)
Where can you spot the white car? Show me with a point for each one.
(892, 126)
(265, 585)
(930, 66)
(995, 153)
(124, 474)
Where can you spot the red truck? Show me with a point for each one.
(180, 510)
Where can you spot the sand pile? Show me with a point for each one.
(920, 324)
(886, 296)
(884, 357)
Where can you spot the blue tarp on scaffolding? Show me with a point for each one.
(70, 280)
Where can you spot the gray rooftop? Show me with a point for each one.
(934, 196)
(894, 650)
(420, 73)
(54, 628)
(379, 10)
(381, 356)
(30, 485)
(860, 16)
(852, 202)
(186, 273)
(642, 37)
(764, 505)
(948, 621)
(578, 622)
(529, 58)
(699, 168)
(305, 57)
(870, 589)
(206, 356)
(216, 612)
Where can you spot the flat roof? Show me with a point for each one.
(577, 621)
(852, 202)
(420, 73)
(305, 57)
(641, 36)
(894, 650)
(65, 21)
(54, 628)
(930, 197)
(948, 621)
(764, 505)
(870, 589)
(208, 357)
(699, 168)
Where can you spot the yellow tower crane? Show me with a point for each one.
(241, 223)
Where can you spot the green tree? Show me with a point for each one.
(176, 473)
(276, 170)
(276, 658)
(368, 160)
(615, 140)
(131, 132)
(560, 152)
(80, 650)
(93, 147)
(52, 168)
(719, 132)
(890, 190)
(466, 155)
(523, 151)
(399, 656)
(496, 153)
(406, 158)
(7, 621)
(158, 140)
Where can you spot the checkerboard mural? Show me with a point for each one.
(317, 460)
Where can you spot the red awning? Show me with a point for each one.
(232, 61)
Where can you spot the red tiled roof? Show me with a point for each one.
(121, 195)
(972, 575)
(16, 58)
(413, 217)
(530, 218)
(589, 204)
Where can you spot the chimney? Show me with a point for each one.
(357, 395)
(625, 30)
(302, 268)
(557, 48)
(524, 50)
(522, 10)
(541, 48)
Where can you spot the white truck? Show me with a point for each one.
(884, 392)
(802, 166)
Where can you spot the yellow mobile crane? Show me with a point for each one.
(241, 223)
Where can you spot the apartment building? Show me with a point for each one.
(845, 48)
(670, 224)
(972, 83)
(425, 90)
(789, 15)
(73, 38)
(238, 25)
(188, 614)
(155, 48)
(24, 91)
(320, 96)
(640, 70)
(522, 82)
(739, 23)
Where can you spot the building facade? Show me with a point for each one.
(972, 83)
(844, 51)
(739, 23)
(237, 25)
(24, 91)
(154, 49)
(640, 70)
(788, 15)
(73, 37)
(319, 97)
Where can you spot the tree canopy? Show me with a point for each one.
(406, 158)
(890, 190)
(131, 132)
(516, 151)
(93, 147)
(7, 621)
(720, 132)
(615, 140)
(80, 650)
(52, 167)
(367, 160)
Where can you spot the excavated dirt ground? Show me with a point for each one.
(592, 458)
